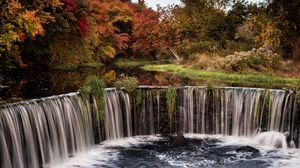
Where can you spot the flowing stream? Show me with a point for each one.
(49, 131)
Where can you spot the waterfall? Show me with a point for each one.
(113, 115)
(236, 111)
(118, 118)
(44, 132)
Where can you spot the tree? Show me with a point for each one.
(145, 31)
(21, 20)
(236, 17)
(285, 17)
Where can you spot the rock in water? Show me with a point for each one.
(247, 149)
(255, 152)
(179, 139)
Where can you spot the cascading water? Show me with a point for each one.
(44, 132)
(41, 133)
(237, 111)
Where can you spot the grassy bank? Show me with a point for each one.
(257, 80)
(127, 63)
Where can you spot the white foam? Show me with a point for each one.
(101, 154)
(271, 138)
(286, 157)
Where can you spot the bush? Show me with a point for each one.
(208, 62)
(198, 47)
(255, 60)
(95, 86)
(128, 84)
(171, 102)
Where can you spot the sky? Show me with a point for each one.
(153, 3)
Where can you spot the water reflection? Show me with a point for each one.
(33, 84)
(27, 85)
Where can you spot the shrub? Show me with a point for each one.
(95, 86)
(128, 84)
(208, 62)
(255, 60)
(171, 102)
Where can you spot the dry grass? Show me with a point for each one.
(254, 61)
(208, 62)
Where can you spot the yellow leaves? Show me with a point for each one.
(31, 23)
(267, 30)
(19, 23)
(120, 12)
(109, 51)
(9, 37)
(56, 3)
(13, 7)
(270, 35)
(23, 20)
(110, 76)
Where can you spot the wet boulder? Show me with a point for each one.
(179, 139)
(254, 151)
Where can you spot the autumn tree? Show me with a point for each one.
(284, 18)
(22, 20)
(145, 31)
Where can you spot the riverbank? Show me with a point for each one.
(242, 79)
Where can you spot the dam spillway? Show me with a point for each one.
(45, 132)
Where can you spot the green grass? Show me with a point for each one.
(127, 63)
(258, 80)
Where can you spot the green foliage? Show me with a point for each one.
(95, 86)
(209, 86)
(171, 93)
(128, 84)
(138, 96)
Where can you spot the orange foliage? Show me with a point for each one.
(145, 31)
(103, 28)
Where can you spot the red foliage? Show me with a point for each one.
(22, 37)
(83, 26)
(145, 34)
(154, 31)
(121, 41)
(69, 5)
(106, 12)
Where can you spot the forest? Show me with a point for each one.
(214, 35)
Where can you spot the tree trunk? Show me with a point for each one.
(178, 58)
